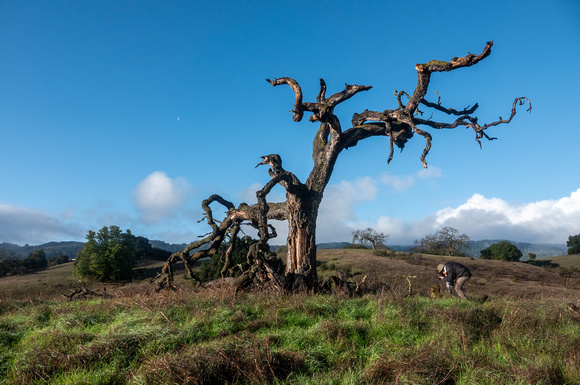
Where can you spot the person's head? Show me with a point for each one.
(440, 268)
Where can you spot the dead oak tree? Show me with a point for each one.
(303, 198)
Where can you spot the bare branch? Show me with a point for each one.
(450, 111)
(349, 92)
(275, 162)
(322, 94)
(228, 255)
(466, 61)
(521, 101)
(408, 120)
(298, 108)
(287, 179)
(472, 122)
(399, 95)
(424, 73)
(323, 108)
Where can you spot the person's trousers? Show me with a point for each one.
(458, 287)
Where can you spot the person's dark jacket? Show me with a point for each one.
(455, 270)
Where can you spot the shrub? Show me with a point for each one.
(58, 260)
(213, 268)
(503, 251)
(573, 244)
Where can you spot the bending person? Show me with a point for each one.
(456, 277)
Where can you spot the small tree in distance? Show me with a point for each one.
(108, 255)
(503, 251)
(369, 237)
(58, 259)
(573, 244)
(446, 241)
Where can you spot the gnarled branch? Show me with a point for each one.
(298, 108)
(424, 73)
(450, 111)
(472, 122)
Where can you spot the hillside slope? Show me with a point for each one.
(396, 273)
(514, 279)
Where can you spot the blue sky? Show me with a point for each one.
(130, 113)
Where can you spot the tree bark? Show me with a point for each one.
(301, 242)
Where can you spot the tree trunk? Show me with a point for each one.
(301, 242)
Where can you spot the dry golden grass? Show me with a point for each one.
(557, 277)
(500, 278)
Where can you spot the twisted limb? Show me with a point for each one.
(219, 233)
(264, 265)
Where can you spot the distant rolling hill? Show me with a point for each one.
(51, 249)
(71, 248)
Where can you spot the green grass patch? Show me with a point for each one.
(221, 337)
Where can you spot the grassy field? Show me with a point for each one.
(520, 326)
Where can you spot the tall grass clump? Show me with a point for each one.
(222, 337)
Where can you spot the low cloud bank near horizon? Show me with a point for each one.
(480, 217)
(28, 226)
(547, 221)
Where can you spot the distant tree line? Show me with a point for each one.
(448, 241)
(10, 264)
(171, 247)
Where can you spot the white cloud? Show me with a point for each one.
(339, 199)
(547, 221)
(550, 221)
(397, 182)
(431, 172)
(404, 182)
(22, 225)
(159, 196)
(337, 218)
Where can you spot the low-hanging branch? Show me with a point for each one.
(255, 216)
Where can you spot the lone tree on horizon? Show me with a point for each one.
(303, 198)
